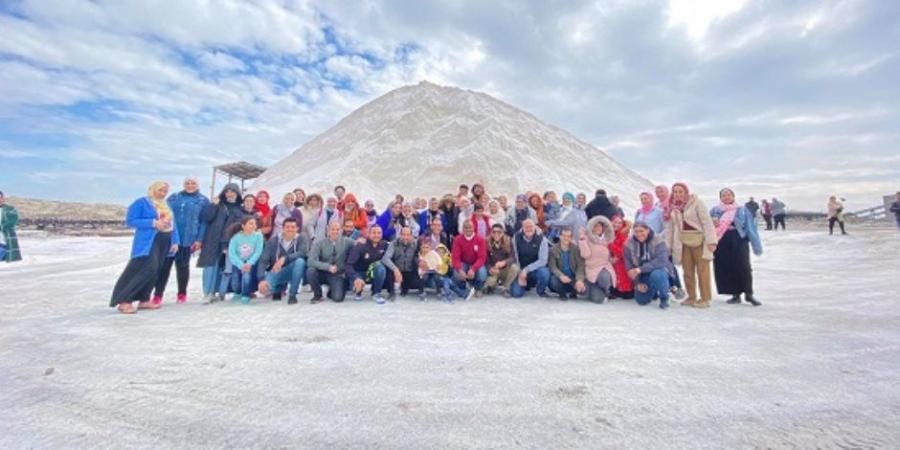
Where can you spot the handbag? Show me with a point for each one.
(692, 238)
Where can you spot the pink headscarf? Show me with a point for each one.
(672, 204)
(728, 217)
(644, 208)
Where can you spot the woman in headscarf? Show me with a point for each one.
(315, 220)
(409, 218)
(650, 214)
(155, 238)
(736, 232)
(225, 211)
(691, 236)
(263, 214)
(568, 217)
(352, 211)
(465, 212)
(286, 210)
(496, 213)
(624, 288)
(662, 199)
(9, 218)
(371, 213)
(537, 204)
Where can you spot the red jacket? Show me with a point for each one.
(470, 251)
(617, 249)
(487, 225)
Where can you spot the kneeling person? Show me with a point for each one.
(647, 261)
(531, 250)
(566, 267)
(402, 260)
(283, 262)
(364, 265)
(501, 262)
(327, 263)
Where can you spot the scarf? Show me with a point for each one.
(673, 205)
(262, 207)
(726, 220)
(539, 210)
(663, 204)
(647, 208)
(161, 206)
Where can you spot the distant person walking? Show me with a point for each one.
(767, 214)
(779, 211)
(9, 218)
(835, 214)
(155, 237)
(895, 208)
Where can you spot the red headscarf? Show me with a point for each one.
(358, 215)
(263, 207)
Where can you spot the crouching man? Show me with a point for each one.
(283, 262)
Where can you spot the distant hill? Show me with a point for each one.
(36, 209)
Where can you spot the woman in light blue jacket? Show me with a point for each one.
(737, 232)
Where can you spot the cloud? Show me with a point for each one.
(752, 94)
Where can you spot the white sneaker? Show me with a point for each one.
(470, 294)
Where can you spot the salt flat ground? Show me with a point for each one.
(817, 366)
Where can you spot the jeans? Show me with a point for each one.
(598, 290)
(337, 286)
(657, 283)
(538, 279)
(831, 222)
(211, 278)
(378, 278)
(556, 285)
(291, 275)
(182, 261)
(435, 281)
(242, 282)
(459, 285)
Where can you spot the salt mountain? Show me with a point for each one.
(427, 139)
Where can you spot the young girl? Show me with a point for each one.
(429, 260)
(244, 250)
(443, 270)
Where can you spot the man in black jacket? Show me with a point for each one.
(283, 262)
(600, 206)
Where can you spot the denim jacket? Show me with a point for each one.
(745, 225)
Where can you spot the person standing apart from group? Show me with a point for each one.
(835, 214)
(736, 234)
(9, 218)
(155, 238)
(895, 208)
(779, 213)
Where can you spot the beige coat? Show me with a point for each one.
(696, 214)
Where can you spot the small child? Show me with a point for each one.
(428, 274)
(442, 271)
(244, 251)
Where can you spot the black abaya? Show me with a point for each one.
(140, 275)
(733, 273)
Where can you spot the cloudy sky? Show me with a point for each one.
(793, 99)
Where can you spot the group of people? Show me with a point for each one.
(773, 212)
(459, 246)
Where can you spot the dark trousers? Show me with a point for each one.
(182, 262)
(411, 280)
(337, 286)
(768, 219)
(779, 219)
(831, 222)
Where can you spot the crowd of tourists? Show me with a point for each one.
(457, 247)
